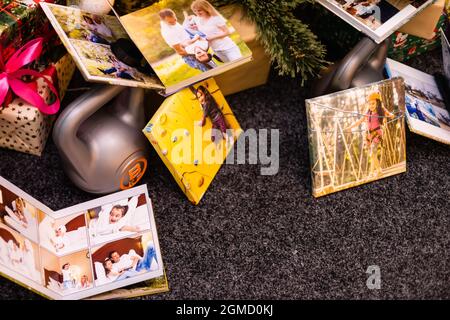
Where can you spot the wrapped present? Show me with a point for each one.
(424, 23)
(22, 126)
(249, 75)
(22, 21)
(193, 131)
(124, 7)
(405, 46)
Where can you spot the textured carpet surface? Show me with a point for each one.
(266, 237)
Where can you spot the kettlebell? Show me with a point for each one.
(363, 65)
(100, 141)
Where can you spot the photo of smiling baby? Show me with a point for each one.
(118, 219)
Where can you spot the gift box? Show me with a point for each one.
(249, 75)
(22, 21)
(405, 46)
(124, 7)
(22, 126)
(423, 25)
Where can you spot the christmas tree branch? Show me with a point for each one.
(291, 45)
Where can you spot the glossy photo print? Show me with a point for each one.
(356, 136)
(91, 39)
(125, 259)
(18, 214)
(193, 131)
(19, 254)
(67, 275)
(63, 235)
(185, 40)
(118, 219)
(427, 113)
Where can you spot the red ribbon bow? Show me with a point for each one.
(11, 75)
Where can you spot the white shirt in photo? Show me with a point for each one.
(125, 262)
(103, 30)
(15, 255)
(67, 275)
(211, 27)
(174, 35)
(60, 242)
(104, 227)
(362, 9)
(203, 44)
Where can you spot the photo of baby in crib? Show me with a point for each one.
(118, 220)
(19, 254)
(64, 235)
(18, 214)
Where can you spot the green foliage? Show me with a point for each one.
(289, 42)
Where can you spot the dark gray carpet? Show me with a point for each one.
(262, 237)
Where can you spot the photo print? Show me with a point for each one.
(357, 136)
(18, 214)
(63, 235)
(19, 254)
(101, 47)
(69, 274)
(185, 41)
(118, 219)
(427, 113)
(124, 259)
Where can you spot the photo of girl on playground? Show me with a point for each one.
(357, 136)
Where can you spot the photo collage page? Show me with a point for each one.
(111, 242)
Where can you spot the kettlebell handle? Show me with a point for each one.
(365, 52)
(66, 127)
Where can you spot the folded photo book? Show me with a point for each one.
(166, 46)
(94, 250)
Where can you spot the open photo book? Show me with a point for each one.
(86, 251)
(166, 46)
(427, 109)
(376, 18)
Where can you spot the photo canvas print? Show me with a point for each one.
(356, 136)
(89, 250)
(97, 42)
(193, 131)
(427, 113)
(185, 41)
(376, 18)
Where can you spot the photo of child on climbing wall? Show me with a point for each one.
(193, 132)
(357, 136)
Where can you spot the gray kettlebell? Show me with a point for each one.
(363, 65)
(104, 151)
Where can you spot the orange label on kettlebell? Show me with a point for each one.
(133, 173)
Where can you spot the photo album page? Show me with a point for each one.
(81, 251)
